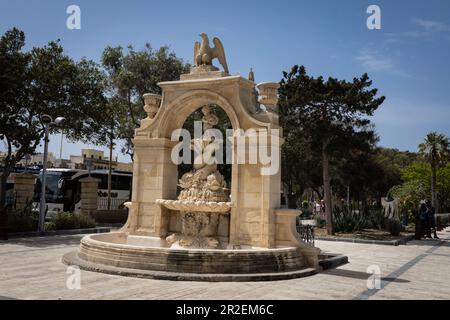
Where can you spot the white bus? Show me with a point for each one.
(63, 190)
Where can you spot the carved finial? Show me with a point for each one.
(152, 103)
(251, 75)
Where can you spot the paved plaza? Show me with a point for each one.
(31, 268)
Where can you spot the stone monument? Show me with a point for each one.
(194, 224)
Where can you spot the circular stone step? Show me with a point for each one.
(72, 258)
(113, 253)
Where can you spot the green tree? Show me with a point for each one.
(436, 150)
(333, 113)
(131, 73)
(299, 171)
(43, 81)
(370, 174)
(421, 172)
(443, 187)
(409, 193)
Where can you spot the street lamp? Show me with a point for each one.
(48, 121)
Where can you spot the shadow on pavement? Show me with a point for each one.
(360, 275)
(443, 242)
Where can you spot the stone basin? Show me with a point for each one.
(195, 206)
(144, 256)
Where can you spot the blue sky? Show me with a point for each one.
(408, 59)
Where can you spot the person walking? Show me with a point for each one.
(431, 221)
(420, 221)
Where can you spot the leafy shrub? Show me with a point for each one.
(70, 220)
(377, 219)
(394, 227)
(348, 220)
(22, 220)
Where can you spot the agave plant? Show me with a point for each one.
(346, 219)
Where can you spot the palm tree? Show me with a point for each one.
(436, 150)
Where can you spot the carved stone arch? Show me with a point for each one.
(255, 218)
(175, 114)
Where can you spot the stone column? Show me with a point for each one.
(155, 176)
(24, 189)
(89, 194)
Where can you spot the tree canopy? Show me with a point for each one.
(436, 150)
(329, 117)
(42, 81)
(131, 73)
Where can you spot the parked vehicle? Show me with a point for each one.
(63, 189)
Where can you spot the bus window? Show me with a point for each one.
(103, 180)
(123, 182)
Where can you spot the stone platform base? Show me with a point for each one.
(150, 258)
(72, 258)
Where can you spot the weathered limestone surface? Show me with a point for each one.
(254, 196)
(206, 213)
(23, 189)
(158, 258)
(89, 195)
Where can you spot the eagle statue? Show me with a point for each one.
(204, 54)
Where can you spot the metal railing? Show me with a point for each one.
(305, 229)
(102, 203)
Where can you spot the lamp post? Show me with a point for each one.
(48, 121)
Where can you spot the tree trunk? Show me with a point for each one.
(327, 191)
(3, 213)
(292, 201)
(289, 197)
(285, 194)
(110, 171)
(433, 186)
(111, 147)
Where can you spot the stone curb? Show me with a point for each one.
(397, 242)
(72, 259)
(110, 225)
(58, 232)
(332, 261)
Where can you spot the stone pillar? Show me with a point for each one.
(287, 235)
(24, 189)
(255, 193)
(89, 194)
(155, 176)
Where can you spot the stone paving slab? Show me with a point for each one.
(32, 269)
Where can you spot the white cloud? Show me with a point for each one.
(432, 26)
(424, 30)
(373, 61)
